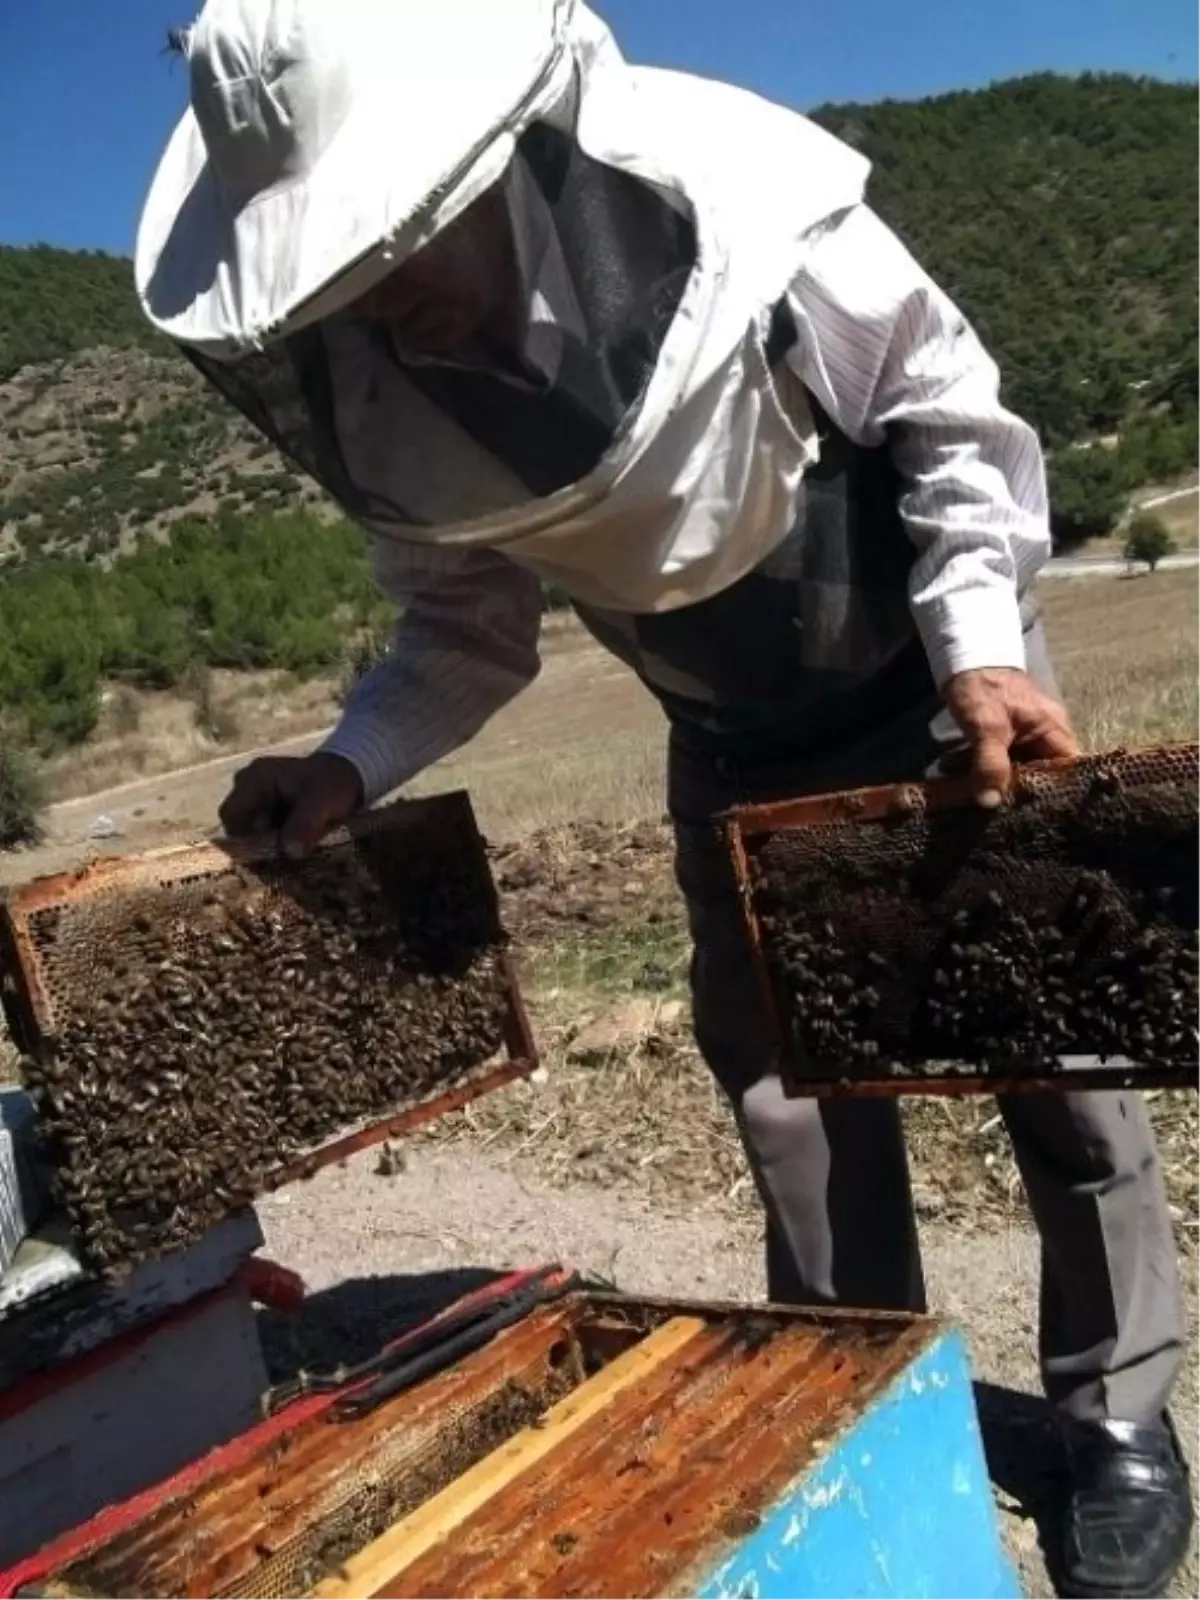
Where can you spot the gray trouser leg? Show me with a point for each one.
(833, 1175)
(1112, 1327)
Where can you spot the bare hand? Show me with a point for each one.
(1004, 715)
(301, 798)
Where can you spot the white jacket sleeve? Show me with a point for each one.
(465, 643)
(890, 358)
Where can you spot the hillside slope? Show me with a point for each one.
(1061, 212)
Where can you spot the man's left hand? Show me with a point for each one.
(1004, 715)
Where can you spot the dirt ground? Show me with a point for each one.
(621, 1158)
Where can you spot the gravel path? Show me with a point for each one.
(369, 1244)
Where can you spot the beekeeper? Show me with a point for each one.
(531, 314)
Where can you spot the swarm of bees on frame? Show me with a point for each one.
(1005, 942)
(240, 1021)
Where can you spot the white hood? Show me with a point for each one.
(231, 264)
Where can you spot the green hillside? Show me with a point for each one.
(54, 303)
(144, 530)
(1061, 213)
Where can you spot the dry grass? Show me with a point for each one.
(144, 734)
(648, 1115)
(1125, 650)
(1182, 518)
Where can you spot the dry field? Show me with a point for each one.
(586, 740)
(1125, 649)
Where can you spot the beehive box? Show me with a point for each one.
(909, 941)
(202, 1024)
(603, 1446)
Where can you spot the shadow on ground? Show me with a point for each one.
(1023, 1445)
(350, 1322)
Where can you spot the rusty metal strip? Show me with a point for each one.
(887, 802)
(884, 1327)
(518, 1034)
(798, 1086)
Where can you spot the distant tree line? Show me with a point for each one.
(54, 303)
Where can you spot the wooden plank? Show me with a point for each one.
(647, 1497)
(724, 1478)
(368, 1572)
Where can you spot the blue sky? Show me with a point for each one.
(87, 100)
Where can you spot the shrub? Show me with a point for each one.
(22, 795)
(1149, 541)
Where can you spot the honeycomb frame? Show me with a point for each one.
(823, 827)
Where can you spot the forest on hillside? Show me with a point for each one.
(1061, 214)
(54, 303)
(266, 590)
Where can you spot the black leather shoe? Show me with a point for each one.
(1128, 1513)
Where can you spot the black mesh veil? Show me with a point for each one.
(590, 264)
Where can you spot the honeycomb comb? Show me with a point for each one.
(202, 1024)
(908, 941)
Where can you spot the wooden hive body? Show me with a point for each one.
(601, 1447)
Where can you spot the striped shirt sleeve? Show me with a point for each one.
(891, 359)
(466, 642)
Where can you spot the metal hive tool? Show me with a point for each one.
(205, 1023)
(908, 941)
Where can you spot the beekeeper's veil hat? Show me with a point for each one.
(455, 257)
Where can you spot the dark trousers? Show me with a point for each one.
(833, 1175)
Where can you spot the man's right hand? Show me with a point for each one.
(300, 798)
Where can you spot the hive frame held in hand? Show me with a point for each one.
(892, 802)
(29, 1009)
